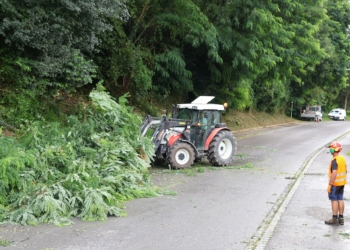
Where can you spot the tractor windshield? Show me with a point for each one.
(188, 114)
(205, 117)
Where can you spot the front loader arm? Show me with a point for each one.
(163, 124)
(147, 123)
(166, 124)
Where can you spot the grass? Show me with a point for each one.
(199, 167)
(236, 120)
(245, 166)
(326, 118)
(192, 171)
(345, 235)
(5, 243)
(241, 156)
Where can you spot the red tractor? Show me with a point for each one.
(194, 131)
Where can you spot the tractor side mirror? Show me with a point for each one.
(205, 114)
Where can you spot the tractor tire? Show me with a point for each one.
(222, 148)
(180, 155)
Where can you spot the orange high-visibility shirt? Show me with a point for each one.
(340, 180)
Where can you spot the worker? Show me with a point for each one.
(336, 181)
(203, 120)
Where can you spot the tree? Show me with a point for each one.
(47, 43)
(323, 84)
(264, 46)
(147, 54)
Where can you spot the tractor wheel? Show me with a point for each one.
(180, 155)
(222, 149)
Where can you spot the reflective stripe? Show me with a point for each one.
(341, 174)
(339, 180)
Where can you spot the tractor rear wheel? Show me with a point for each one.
(180, 155)
(222, 148)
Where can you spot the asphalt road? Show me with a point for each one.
(274, 197)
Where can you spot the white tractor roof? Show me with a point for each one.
(203, 99)
(201, 103)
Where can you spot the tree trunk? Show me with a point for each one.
(346, 97)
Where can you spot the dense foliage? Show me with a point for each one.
(252, 54)
(86, 168)
(44, 43)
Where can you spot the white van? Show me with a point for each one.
(337, 114)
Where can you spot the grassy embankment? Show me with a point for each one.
(253, 119)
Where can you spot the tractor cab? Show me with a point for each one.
(203, 118)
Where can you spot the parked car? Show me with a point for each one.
(337, 114)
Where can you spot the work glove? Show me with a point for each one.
(329, 188)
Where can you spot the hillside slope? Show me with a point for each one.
(236, 120)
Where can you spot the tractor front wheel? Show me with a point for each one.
(222, 148)
(180, 155)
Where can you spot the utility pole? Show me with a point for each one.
(291, 110)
